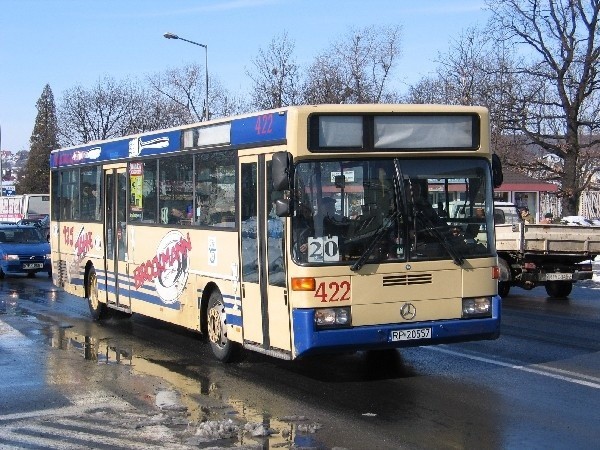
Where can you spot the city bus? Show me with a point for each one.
(291, 232)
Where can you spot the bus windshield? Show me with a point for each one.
(389, 210)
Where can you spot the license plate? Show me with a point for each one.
(559, 276)
(33, 265)
(409, 335)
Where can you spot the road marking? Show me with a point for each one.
(76, 410)
(538, 369)
(92, 422)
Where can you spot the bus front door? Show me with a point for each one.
(265, 309)
(115, 238)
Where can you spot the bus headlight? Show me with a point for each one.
(333, 317)
(476, 307)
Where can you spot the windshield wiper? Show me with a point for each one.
(433, 231)
(387, 223)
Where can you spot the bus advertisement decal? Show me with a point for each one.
(169, 269)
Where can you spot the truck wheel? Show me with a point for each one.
(558, 289)
(503, 288)
(98, 310)
(224, 349)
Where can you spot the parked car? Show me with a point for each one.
(23, 250)
(42, 222)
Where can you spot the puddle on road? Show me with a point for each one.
(212, 418)
(11, 293)
(90, 348)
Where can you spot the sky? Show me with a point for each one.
(69, 43)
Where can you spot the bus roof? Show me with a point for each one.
(260, 128)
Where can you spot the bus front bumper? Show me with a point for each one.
(308, 340)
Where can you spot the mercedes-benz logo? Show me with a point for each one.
(408, 311)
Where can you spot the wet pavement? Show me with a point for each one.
(69, 382)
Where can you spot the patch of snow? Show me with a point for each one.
(579, 221)
(169, 400)
(214, 430)
(308, 427)
(258, 429)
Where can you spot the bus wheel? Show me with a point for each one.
(503, 288)
(222, 347)
(558, 289)
(98, 310)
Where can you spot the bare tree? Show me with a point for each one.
(100, 113)
(225, 104)
(185, 89)
(556, 104)
(476, 70)
(355, 69)
(275, 78)
(181, 94)
(154, 112)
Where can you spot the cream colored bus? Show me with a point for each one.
(289, 232)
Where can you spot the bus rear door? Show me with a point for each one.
(265, 308)
(117, 282)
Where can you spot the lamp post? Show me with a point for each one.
(174, 36)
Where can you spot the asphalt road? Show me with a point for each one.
(68, 382)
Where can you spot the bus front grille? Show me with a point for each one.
(407, 279)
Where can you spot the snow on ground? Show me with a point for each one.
(579, 221)
(596, 269)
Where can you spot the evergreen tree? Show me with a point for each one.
(34, 178)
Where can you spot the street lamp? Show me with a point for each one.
(174, 36)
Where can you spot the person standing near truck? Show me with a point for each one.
(548, 218)
(526, 216)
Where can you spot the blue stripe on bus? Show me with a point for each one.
(259, 129)
(150, 144)
(147, 294)
(106, 283)
(308, 340)
(231, 303)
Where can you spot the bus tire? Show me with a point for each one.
(503, 288)
(223, 349)
(558, 289)
(98, 310)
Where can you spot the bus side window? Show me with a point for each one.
(215, 190)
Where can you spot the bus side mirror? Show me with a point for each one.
(282, 207)
(497, 175)
(281, 171)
